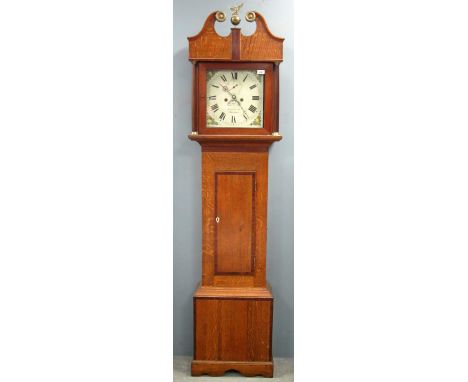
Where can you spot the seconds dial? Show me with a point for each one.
(234, 99)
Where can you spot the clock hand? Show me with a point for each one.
(225, 88)
(243, 111)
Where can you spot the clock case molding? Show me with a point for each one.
(233, 304)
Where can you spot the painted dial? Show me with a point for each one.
(234, 99)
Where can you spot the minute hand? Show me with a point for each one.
(225, 88)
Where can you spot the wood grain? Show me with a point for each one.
(235, 143)
(234, 330)
(235, 43)
(257, 293)
(216, 162)
(276, 93)
(218, 368)
(233, 334)
(232, 138)
(206, 331)
(235, 222)
(259, 330)
(207, 44)
(262, 45)
(194, 97)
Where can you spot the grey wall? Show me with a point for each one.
(189, 17)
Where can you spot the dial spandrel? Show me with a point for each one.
(234, 99)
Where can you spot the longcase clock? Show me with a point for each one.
(235, 120)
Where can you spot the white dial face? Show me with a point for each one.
(234, 98)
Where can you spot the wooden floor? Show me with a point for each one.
(284, 371)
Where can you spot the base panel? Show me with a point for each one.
(218, 368)
(233, 329)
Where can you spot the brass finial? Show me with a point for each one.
(250, 16)
(235, 18)
(220, 16)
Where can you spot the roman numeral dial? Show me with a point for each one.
(234, 98)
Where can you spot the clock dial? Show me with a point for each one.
(234, 99)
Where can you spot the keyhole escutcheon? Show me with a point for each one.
(217, 219)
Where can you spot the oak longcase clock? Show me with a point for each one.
(235, 120)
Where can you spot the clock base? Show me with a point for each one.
(218, 368)
(233, 331)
